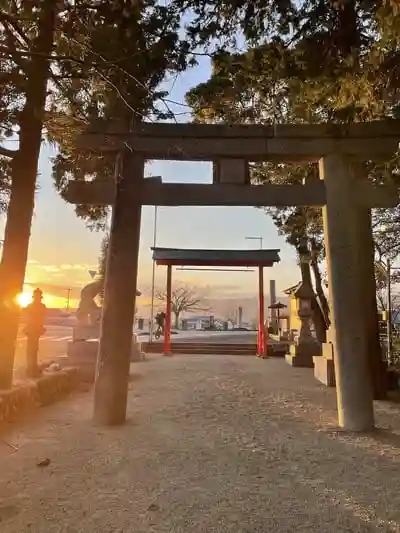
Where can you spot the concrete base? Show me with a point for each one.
(85, 332)
(83, 355)
(302, 354)
(324, 367)
(278, 349)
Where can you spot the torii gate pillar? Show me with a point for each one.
(113, 359)
(345, 274)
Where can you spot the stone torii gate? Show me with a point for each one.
(343, 191)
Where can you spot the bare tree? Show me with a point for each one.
(381, 299)
(183, 299)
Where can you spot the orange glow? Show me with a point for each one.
(50, 301)
(24, 299)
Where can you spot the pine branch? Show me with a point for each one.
(49, 57)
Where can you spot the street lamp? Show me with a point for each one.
(157, 179)
(260, 239)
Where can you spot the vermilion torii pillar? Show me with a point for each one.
(261, 340)
(168, 312)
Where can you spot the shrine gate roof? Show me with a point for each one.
(226, 258)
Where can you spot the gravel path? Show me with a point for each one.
(214, 444)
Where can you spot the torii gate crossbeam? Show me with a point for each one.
(340, 151)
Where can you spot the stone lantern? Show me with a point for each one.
(305, 346)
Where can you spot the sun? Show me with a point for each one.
(24, 299)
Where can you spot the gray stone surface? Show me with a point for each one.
(213, 444)
(324, 371)
(344, 258)
(83, 355)
(302, 354)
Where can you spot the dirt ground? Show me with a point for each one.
(213, 444)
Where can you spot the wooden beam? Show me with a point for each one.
(215, 263)
(96, 192)
(185, 194)
(176, 194)
(285, 142)
(376, 128)
(252, 148)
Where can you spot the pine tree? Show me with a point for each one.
(23, 107)
(132, 59)
(64, 65)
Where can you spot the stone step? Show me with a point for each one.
(204, 348)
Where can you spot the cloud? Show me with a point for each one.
(56, 290)
(77, 266)
(50, 268)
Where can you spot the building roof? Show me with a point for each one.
(300, 290)
(223, 258)
(291, 291)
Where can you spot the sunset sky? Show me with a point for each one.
(63, 250)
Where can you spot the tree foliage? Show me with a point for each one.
(63, 66)
(309, 62)
(27, 32)
(122, 63)
(303, 62)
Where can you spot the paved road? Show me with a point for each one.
(212, 444)
(219, 337)
(54, 342)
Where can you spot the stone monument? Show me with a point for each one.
(82, 350)
(88, 313)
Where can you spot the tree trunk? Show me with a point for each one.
(22, 199)
(318, 319)
(320, 291)
(176, 320)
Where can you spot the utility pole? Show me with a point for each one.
(68, 298)
(153, 276)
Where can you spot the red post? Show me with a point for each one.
(167, 324)
(261, 335)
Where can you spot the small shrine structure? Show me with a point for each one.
(259, 259)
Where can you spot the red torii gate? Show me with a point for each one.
(170, 257)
